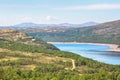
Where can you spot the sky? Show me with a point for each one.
(58, 11)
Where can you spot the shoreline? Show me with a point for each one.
(113, 47)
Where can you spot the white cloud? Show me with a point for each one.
(92, 7)
(51, 18)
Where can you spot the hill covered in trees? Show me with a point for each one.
(23, 59)
(108, 32)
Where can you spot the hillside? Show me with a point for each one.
(10, 34)
(13, 35)
(108, 32)
(27, 61)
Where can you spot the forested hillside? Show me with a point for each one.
(28, 61)
(103, 33)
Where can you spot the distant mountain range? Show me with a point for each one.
(108, 32)
(89, 24)
(34, 25)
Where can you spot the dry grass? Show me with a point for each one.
(37, 57)
(9, 58)
(29, 67)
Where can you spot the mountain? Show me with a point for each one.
(89, 24)
(23, 25)
(67, 24)
(64, 25)
(31, 27)
(79, 25)
(108, 32)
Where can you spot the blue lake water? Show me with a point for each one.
(96, 52)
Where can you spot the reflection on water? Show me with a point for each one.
(97, 52)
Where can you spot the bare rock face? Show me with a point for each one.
(13, 35)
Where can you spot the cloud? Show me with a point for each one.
(51, 18)
(93, 7)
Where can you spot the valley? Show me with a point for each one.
(59, 39)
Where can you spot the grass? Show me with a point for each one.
(30, 60)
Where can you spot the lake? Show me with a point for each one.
(96, 52)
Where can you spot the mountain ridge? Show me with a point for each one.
(36, 25)
(108, 32)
